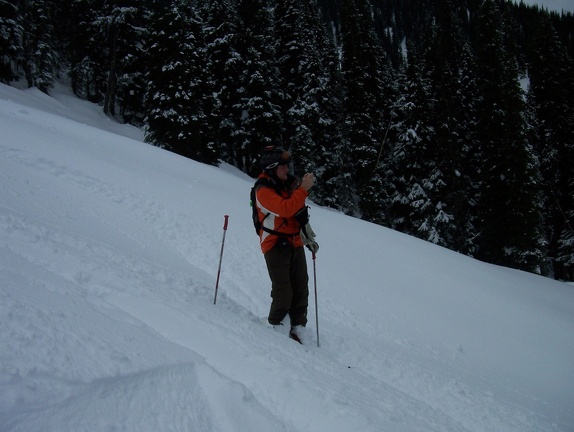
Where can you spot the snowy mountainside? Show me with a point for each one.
(108, 256)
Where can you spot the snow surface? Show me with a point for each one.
(109, 250)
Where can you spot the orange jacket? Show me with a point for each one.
(281, 209)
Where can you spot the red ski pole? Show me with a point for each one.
(316, 306)
(220, 258)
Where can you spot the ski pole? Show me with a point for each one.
(220, 258)
(316, 307)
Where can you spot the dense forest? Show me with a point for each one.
(449, 120)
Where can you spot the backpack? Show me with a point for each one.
(302, 215)
(256, 222)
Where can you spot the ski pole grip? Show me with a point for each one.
(225, 223)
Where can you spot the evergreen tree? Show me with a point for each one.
(291, 57)
(466, 162)
(121, 30)
(222, 30)
(566, 247)
(311, 107)
(131, 85)
(260, 116)
(552, 89)
(88, 79)
(39, 62)
(11, 40)
(415, 178)
(364, 93)
(448, 60)
(322, 94)
(179, 97)
(510, 202)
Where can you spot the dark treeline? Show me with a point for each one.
(449, 120)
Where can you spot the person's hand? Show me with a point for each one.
(308, 181)
(313, 247)
(308, 238)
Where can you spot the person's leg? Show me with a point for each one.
(278, 262)
(300, 288)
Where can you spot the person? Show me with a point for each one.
(285, 229)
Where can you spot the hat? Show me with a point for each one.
(273, 157)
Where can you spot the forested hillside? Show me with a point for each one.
(450, 120)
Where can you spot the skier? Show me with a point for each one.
(283, 231)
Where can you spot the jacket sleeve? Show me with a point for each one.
(280, 206)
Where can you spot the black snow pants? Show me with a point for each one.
(287, 268)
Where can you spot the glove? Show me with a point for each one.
(308, 238)
(313, 247)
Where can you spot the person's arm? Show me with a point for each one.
(279, 206)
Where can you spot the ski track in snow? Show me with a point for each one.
(102, 338)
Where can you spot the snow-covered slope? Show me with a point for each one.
(109, 251)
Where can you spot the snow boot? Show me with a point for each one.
(296, 333)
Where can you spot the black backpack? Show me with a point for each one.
(302, 215)
(256, 222)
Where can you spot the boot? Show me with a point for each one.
(296, 333)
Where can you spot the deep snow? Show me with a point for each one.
(109, 250)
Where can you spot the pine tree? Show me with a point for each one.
(121, 31)
(510, 202)
(179, 97)
(39, 62)
(222, 30)
(414, 175)
(566, 247)
(291, 58)
(322, 94)
(363, 64)
(449, 61)
(260, 121)
(11, 40)
(309, 76)
(85, 54)
(465, 190)
(131, 85)
(106, 54)
(552, 89)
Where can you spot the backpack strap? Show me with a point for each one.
(266, 182)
